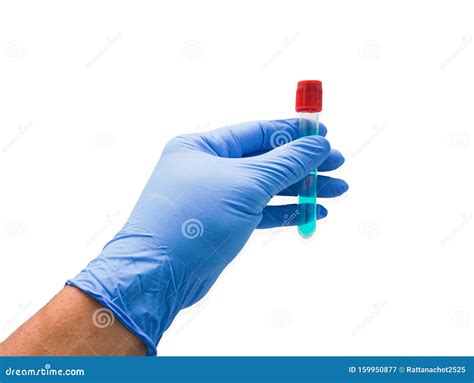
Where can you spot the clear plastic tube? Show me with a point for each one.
(308, 125)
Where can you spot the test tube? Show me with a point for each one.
(309, 102)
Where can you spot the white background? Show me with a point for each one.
(91, 91)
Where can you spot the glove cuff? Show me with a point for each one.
(133, 278)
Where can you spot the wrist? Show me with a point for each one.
(133, 278)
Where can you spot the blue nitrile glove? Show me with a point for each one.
(207, 194)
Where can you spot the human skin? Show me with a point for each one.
(152, 268)
(72, 323)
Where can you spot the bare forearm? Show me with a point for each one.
(73, 323)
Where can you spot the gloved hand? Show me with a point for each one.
(204, 199)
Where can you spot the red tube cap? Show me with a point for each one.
(309, 96)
